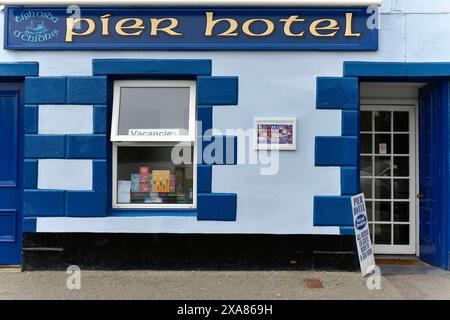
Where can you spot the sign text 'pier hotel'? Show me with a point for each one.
(191, 29)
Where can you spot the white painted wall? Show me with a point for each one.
(65, 119)
(271, 84)
(65, 174)
(390, 90)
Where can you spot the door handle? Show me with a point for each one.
(420, 196)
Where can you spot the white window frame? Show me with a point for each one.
(126, 141)
(119, 84)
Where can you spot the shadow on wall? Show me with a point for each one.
(187, 252)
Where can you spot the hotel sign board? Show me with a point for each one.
(362, 234)
(190, 28)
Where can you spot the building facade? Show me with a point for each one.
(227, 119)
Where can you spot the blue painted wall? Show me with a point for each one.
(339, 94)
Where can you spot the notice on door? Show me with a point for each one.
(363, 241)
(382, 148)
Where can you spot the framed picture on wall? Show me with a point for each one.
(275, 133)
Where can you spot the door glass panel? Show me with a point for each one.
(382, 121)
(366, 167)
(383, 188)
(382, 143)
(382, 211)
(366, 143)
(401, 166)
(401, 121)
(366, 188)
(401, 234)
(401, 211)
(401, 143)
(382, 166)
(366, 121)
(369, 210)
(383, 234)
(401, 189)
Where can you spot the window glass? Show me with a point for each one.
(143, 110)
(366, 169)
(401, 121)
(366, 144)
(366, 120)
(382, 121)
(149, 175)
(401, 143)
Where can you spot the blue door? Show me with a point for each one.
(434, 173)
(11, 185)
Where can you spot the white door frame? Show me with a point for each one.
(412, 106)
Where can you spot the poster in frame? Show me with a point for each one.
(275, 134)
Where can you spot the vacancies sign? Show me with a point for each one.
(190, 28)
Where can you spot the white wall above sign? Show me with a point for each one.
(259, 3)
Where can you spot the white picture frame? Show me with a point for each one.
(286, 142)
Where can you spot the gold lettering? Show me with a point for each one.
(288, 26)
(349, 26)
(169, 29)
(270, 27)
(211, 23)
(332, 24)
(105, 24)
(137, 24)
(72, 22)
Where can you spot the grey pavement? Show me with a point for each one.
(253, 285)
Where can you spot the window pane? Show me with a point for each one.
(382, 211)
(401, 189)
(401, 234)
(382, 121)
(366, 167)
(383, 233)
(154, 108)
(401, 143)
(369, 210)
(382, 189)
(382, 166)
(401, 121)
(401, 211)
(382, 143)
(401, 166)
(366, 120)
(147, 175)
(366, 143)
(366, 188)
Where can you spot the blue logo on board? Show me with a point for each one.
(35, 26)
(360, 222)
